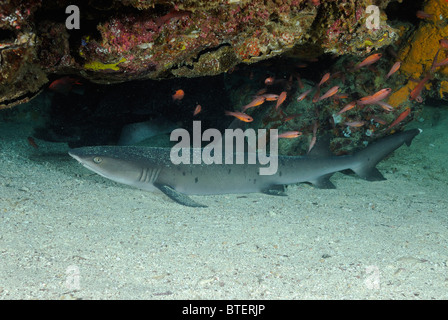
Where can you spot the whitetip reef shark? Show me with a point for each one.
(151, 169)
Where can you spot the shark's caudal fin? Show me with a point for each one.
(368, 158)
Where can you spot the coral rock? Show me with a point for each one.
(154, 39)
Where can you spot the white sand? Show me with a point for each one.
(66, 233)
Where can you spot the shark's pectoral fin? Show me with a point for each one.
(369, 173)
(275, 190)
(178, 197)
(323, 182)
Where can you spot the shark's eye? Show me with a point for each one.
(97, 159)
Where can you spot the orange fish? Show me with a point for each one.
(63, 85)
(350, 106)
(280, 99)
(434, 62)
(316, 95)
(442, 63)
(355, 124)
(288, 118)
(329, 93)
(170, 15)
(374, 98)
(299, 81)
(314, 138)
(270, 97)
(385, 106)
(369, 60)
(415, 93)
(178, 95)
(303, 95)
(423, 15)
(400, 118)
(240, 116)
(341, 96)
(324, 79)
(394, 69)
(256, 102)
(197, 110)
(379, 120)
(269, 81)
(290, 134)
(261, 91)
(443, 43)
(32, 142)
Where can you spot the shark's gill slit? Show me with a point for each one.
(154, 174)
(143, 175)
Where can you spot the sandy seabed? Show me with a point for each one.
(66, 233)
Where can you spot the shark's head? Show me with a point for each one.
(105, 162)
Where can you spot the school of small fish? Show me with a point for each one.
(363, 111)
(346, 115)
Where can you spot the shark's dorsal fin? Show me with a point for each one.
(179, 197)
(321, 148)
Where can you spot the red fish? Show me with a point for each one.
(261, 91)
(240, 116)
(400, 118)
(394, 69)
(197, 110)
(290, 117)
(379, 120)
(434, 62)
(270, 97)
(256, 102)
(442, 63)
(369, 60)
(341, 96)
(329, 93)
(443, 43)
(350, 106)
(299, 81)
(178, 95)
(280, 99)
(303, 95)
(63, 85)
(423, 15)
(415, 93)
(374, 98)
(324, 79)
(269, 81)
(32, 142)
(316, 95)
(355, 124)
(160, 21)
(290, 134)
(385, 106)
(314, 138)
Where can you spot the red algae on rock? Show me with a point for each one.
(20, 76)
(155, 39)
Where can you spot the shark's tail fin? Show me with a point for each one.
(368, 158)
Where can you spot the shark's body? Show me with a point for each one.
(151, 169)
